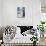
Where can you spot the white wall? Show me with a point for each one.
(1, 18)
(9, 13)
(36, 7)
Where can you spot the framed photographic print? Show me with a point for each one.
(20, 12)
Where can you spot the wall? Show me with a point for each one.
(9, 12)
(36, 7)
(1, 18)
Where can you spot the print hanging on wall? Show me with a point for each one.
(20, 12)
